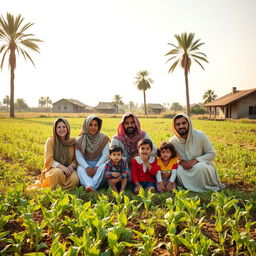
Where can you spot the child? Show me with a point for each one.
(144, 167)
(168, 164)
(115, 169)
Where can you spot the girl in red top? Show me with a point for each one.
(144, 167)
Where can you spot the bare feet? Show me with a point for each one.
(89, 189)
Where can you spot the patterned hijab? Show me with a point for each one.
(61, 148)
(91, 145)
(130, 143)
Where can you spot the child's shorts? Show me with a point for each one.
(147, 184)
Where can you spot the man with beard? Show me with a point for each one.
(196, 171)
(128, 135)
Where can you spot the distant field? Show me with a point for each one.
(67, 221)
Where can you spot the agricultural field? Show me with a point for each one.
(46, 222)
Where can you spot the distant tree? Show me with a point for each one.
(143, 83)
(209, 96)
(176, 106)
(185, 51)
(20, 105)
(198, 109)
(118, 101)
(131, 106)
(42, 102)
(6, 101)
(48, 101)
(13, 34)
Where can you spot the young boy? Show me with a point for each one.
(144, 167)
(115, 169)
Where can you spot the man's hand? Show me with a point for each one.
(188, 164)
(90, 172)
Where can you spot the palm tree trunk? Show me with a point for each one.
(187, 93)
(12, 93)
(145, 105)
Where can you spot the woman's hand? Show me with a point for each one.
(137, 188)
(65, 169)
(95, 170)
(90, 172)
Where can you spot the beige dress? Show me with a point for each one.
(53, 176)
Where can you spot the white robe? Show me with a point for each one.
(202, 176)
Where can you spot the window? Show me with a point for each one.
(252, 110)
(65, 107)
(58, 107)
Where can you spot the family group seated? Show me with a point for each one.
(130, 157)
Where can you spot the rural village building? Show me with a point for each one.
(237, 104)
(106, 107)
(70, 106)
(155, 108)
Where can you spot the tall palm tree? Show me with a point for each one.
(13, 34)
(118, 101)
(209, 96)
(42, 102)
(143, 83)
(185, 52)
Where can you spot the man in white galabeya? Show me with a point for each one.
(196, 171)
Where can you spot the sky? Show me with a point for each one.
(92, 50)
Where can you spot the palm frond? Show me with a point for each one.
(28, 43)
(26, 55)
(3, 58)
(173, 57)
(199, 57)
(173, 51)
(173, 66)
(199, 63)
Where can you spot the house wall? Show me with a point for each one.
(243, 106)
(106, 111)
(66, 107)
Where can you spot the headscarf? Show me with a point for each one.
(61, 148)
(130, 143)
(189, 142)
(91, 145)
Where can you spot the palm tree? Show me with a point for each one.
(6, 101)
(143, 83)
(12, 33)
(118, 101)
(42, 101)
(186, 51)
(209, 96)
(47, 101)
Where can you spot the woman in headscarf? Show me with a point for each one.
(59, 158)
(92, 150)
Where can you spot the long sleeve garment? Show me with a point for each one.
(141, 173)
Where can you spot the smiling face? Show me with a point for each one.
(129, 126)
(61, 130)
(93, 127)
(181, 126)
(144, 151)
(165, 154)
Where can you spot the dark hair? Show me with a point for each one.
(115, 149)
(99, 121)
(144, 142)
(178, 117)
(166, 145)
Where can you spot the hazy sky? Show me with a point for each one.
(92, 50)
